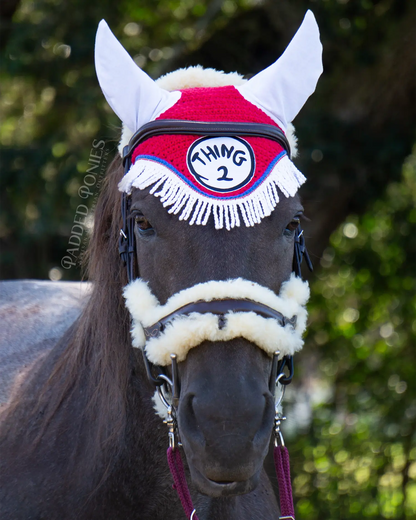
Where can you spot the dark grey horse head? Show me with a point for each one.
(226, 407)
(213, 214)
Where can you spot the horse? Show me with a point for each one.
(198, 305)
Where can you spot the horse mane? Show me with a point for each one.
(80, 392)
(77, 399)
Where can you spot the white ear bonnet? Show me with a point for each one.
(232, 179)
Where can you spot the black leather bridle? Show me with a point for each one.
(219, 307)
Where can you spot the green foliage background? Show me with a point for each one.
(357, 457)
(351, 425)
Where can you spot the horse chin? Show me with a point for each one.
(217, 489)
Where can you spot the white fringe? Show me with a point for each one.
(196, 207)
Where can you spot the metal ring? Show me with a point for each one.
(282, 391)
(165, 378)
(162, 397)
(169, 384)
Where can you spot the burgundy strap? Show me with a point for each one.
(178, 474)
(282, 465)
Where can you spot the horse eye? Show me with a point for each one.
(292, 226)
(143, 225)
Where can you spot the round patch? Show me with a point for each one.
(221, 164)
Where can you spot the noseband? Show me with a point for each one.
(220, 308)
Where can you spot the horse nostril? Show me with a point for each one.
(267, 418)
(187, 420)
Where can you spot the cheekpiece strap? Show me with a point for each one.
(126, 239)
(299, 253)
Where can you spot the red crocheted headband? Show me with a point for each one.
(228, 177)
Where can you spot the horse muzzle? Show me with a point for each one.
(225, 416)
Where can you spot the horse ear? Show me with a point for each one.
(282, 89)
(130, 92)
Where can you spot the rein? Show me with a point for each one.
(169, 389)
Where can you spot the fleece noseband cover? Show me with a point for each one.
(186, 331)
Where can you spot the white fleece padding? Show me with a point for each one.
(185, 332)
(158, 406)
(197, 76)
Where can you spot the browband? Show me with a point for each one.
(213, 129)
